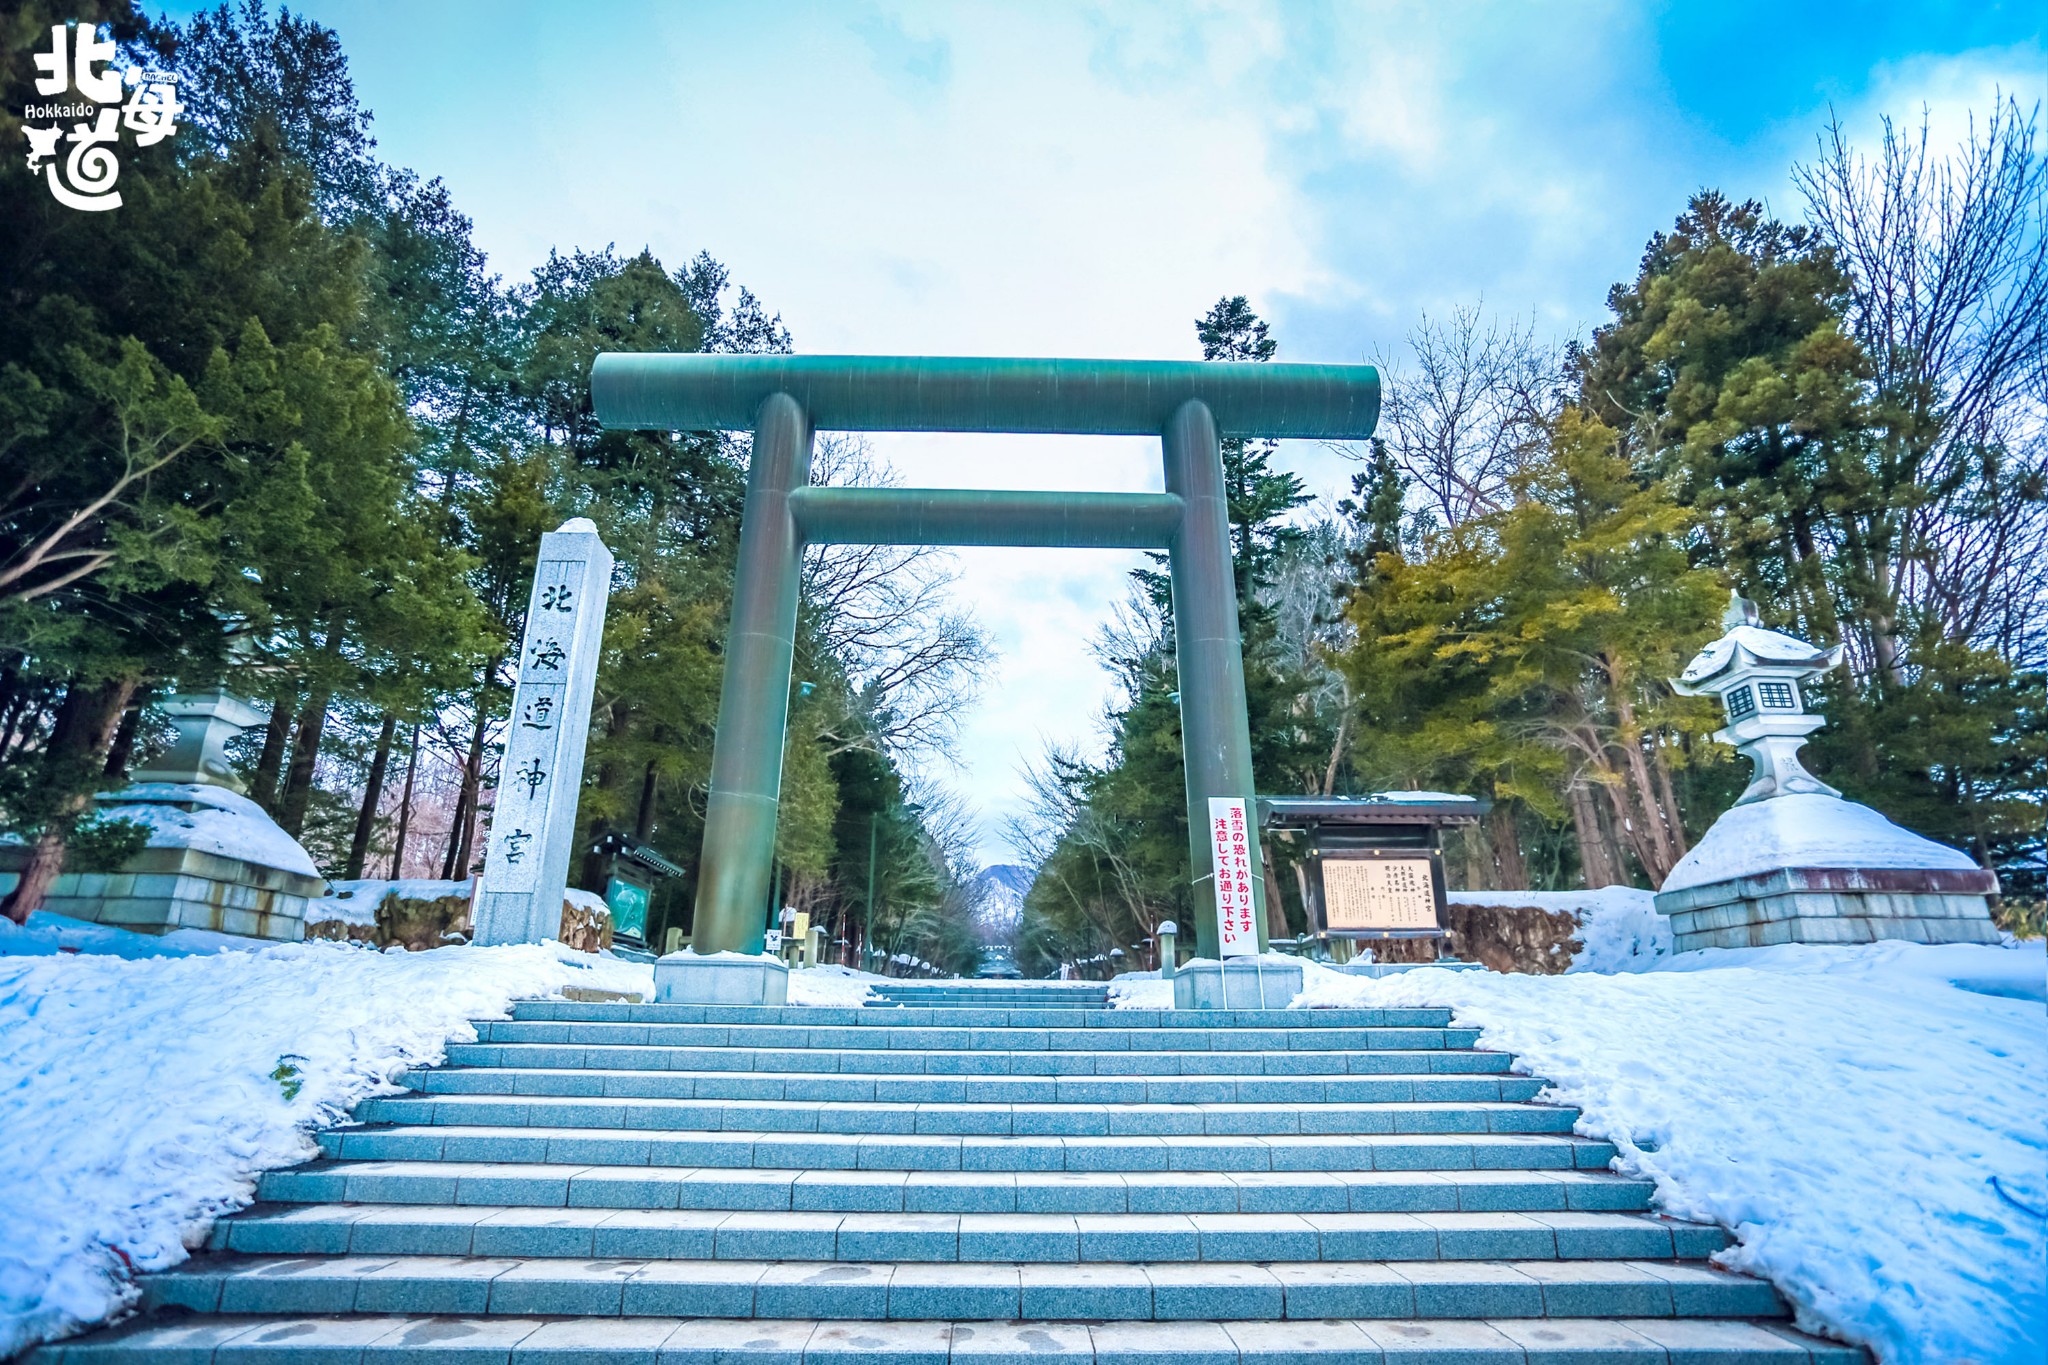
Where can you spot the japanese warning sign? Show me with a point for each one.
(1230, 845)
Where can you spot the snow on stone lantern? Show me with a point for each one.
(1792, 862)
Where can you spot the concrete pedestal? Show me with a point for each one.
(1833, 905)
(1240, 983)
(722, 979)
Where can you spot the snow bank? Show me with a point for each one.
(1622, 934)
(143, 1085)
(1871, 1123)
(46, 933)
(1146, 992)
(1805, 830)
(842, 987)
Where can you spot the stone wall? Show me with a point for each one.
(1505, 938)
(420, 920)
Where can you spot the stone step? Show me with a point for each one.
(532, 1340)
(1001, 1120)
(991, 990)
(887, 1152)
(1096, 1192)
(965, 1035)
(882, 995)
(875, 1290)
(975, 1062)
(863, 1088)
(855, 1016)
(1020, 1000)
(1039, 1238)
(963, 1003)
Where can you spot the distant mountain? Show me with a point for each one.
(999, 897)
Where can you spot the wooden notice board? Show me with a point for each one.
(1382, 893)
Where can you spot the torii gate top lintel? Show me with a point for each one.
(945, 393)
(785, 400)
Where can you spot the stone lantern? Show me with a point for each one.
(1792, 862)
(214, 858)
(1757, 675)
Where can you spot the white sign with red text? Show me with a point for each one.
(1230, 846)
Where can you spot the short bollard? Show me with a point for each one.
(814, 946)
(1169, 934)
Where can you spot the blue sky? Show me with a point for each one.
(1050, 179)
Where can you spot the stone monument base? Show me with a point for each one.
(1833, 905)
(1239, 983)
(720, 979)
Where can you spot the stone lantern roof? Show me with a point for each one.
(1749, 650)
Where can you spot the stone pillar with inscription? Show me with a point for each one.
(533, 830)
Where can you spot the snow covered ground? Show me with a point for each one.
(1871, 1121)
(145, 1082)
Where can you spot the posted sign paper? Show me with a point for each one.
(1230, 846)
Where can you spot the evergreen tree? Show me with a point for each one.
(1731, 368)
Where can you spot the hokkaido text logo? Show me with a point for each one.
(83, 177)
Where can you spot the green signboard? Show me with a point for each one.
(629, 908)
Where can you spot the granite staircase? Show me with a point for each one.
(991, 1174)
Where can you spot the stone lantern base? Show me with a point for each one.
(214, 861)
(1833, 905)
(1811, 868)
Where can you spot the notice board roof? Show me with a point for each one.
(1382, 808)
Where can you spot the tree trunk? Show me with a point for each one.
(1276, 911)
(270, 761)
(373, 792)
(298, 778)
(455, 824)
(412, 767)
(1478, 876)
(1309, 918)
(1337, 748)
(1662, 767)
(643, 821)
(1598, 864)
(1653, 843)
(462, 832)
(1504, 835)
(122, 751)
(85, 727)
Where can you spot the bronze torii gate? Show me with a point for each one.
(784, 400)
